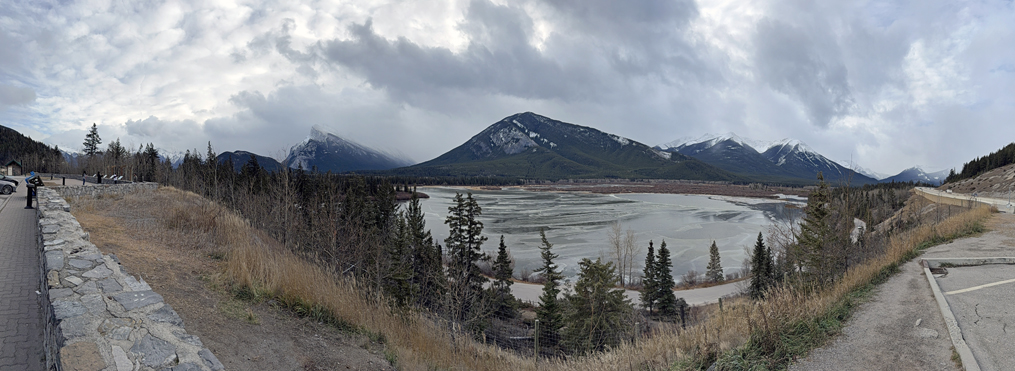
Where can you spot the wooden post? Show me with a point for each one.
(535, 351)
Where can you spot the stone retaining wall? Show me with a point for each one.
(100, 317)
(96, 190)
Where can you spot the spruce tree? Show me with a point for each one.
(649, 295)
(714, 273)
(815, 234)
(428, 271)
(501, 287)
(463, 243)
(92, 141)
(667, 302)
(549, 311)
(597, 310)
(760, 269)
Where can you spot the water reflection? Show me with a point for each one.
(578, 224)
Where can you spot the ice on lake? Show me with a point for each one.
(577, 224)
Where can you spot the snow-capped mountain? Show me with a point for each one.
(868, 172)
(784, 159)
(325, 151)
(533, 146)
(916, 174)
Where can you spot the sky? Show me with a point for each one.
(883, 85)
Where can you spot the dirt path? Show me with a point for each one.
(243, 335)
(900, 328)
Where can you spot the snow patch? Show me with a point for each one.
(623, 141)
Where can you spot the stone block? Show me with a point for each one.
(186, 367)
(74, 280)
(99, 272)
(110, 286)
(79, 327)
(94, 303)
(53, 279)
(81, 356)
(50, 229)
(59, 293)
(121, 360)
(210, 360)
(131, 300)
(80, 264)
(154, 352)
(88, 288)
(63, 309)
(166, 314)
(54, 260)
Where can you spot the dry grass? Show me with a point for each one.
(418, 342)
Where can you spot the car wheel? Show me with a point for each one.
(7, 190)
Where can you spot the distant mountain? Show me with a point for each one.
(916, 174)
(531, 146)
(868, 172)
(325, 151)
(240, 158)
(782, 161)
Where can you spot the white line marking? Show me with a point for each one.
(974, 288)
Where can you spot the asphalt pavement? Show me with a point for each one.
(982, 298)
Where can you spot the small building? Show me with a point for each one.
(13, 168)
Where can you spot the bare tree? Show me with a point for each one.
(623, 248)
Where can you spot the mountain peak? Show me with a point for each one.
(329, 152)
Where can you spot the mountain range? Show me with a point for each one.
(916, 174)
(531, 146)
(240, 158)
(323, 151)
(787, 160)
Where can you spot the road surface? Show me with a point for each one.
(530, 292)
(961, 199)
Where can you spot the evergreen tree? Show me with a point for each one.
(428, 271)
(714, 273)
(116, 152)
(502, 270)
(464, 277)
(760, 269)
(398, 278)
(668, 304)
(92, 141)
(548, 313)
(649, 295)
(597, 310)
(814, 238)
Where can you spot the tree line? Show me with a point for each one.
(1002, 157)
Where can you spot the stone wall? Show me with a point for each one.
(100, 317)
(96, 190)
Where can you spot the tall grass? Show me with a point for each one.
(745, 334)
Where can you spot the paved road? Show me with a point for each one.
(982, 298)
(530, 292)
(21, 324)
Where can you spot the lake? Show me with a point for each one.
(577, 224)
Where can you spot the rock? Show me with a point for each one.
(88, 288)
(63, 309)
(93, 257)
(926, 333)
(131, 300)
(120, 358)
(59, 293)
(82, 356)
(53, 242)
(80, 264)
(94, 303)
(210, 360)
(110, 286)
(53, 279)
(74, 280)
(186, 367)
(99, 272)
(54, 260)
(154, 352)
(78, 327)
(187, 338)
(50, 229)
(166, 314)
(136, 285)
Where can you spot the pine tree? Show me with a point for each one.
(464, 277)
(667, 301)
(548, 313)
(504, 300)
(714, 273)
(760, 269)
(597, 310)
(649, 293)
(428, 271)
(92, 141)
(813, 240)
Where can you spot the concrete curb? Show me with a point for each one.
(5, 202)
(967, 262)
(968, 361)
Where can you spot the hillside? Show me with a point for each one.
(531, 146)
(240, 158)
(995, 183)
(980, 165)
(33, 155)
(917, 175)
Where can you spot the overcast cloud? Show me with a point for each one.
(886, 85)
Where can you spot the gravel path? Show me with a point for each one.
(901, 328)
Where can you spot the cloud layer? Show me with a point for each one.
(886, 85)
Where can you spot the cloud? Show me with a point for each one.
(15, 96)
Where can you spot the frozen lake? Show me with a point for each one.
(577, 224)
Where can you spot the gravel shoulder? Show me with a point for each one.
(900, 328)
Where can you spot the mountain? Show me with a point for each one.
(33, 155)
(868, 172)
(325, 151)
(916, 174)
(240, 158)
(787, 160)
(531, 146)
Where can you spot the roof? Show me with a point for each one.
(16, 162)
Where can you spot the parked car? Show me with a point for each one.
(7, 185)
